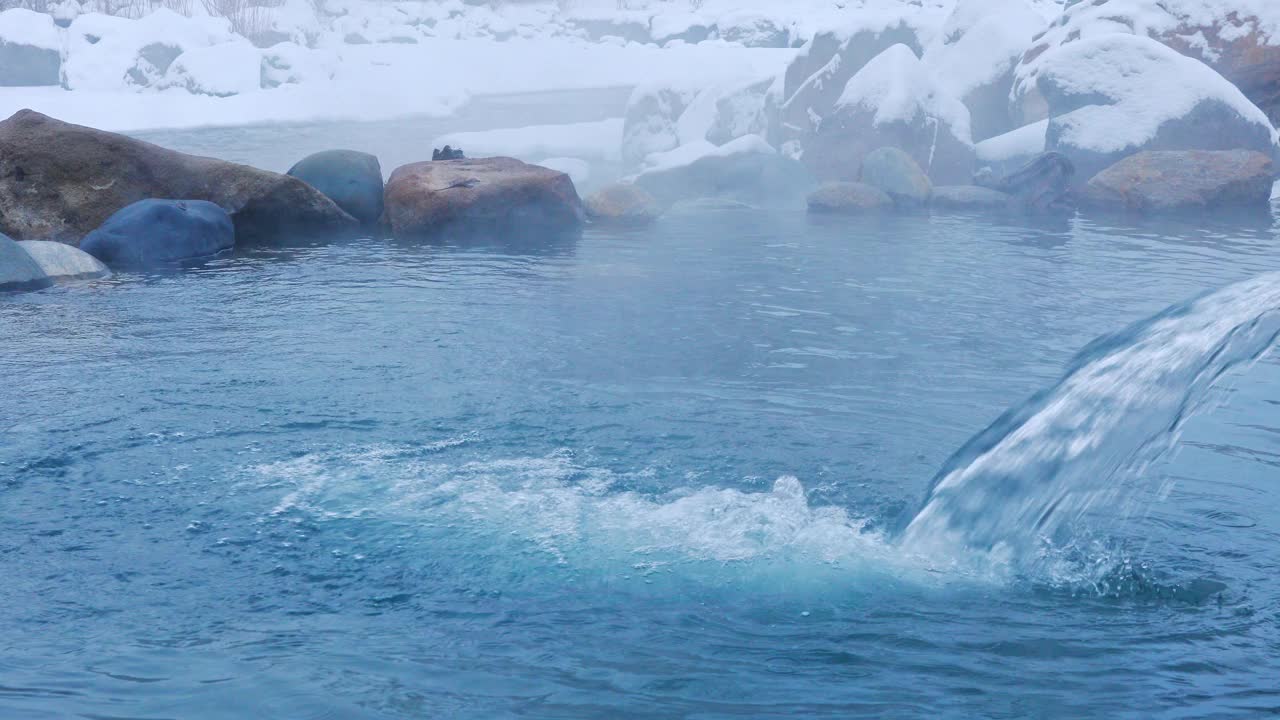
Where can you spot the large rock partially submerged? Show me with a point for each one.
(350, 178)
(497, 195)
(59, 261)
(18, 271)
(60, 181)
(152, 233)
(1174, 181)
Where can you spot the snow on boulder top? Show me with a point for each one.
(21, 26)
(1125, 87)
(1152, 18)
(983, 40)
(897, 86)
(695, 151)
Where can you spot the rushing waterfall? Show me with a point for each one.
(1077, 444)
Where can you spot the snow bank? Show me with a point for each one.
(362, 82)
(20, 26)
(592, 140)
(111, 53)
(897, 87)
(221, 70)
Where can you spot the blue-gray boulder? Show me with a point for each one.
(350, 178)
(17, 270)
(157, 232)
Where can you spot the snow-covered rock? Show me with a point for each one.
(748, 110)
(894, 101)
(29, 49)
(815, 79)
(651, 122)
(982, 42)
(112, 53)
(1238, 38)
(1114, 95)
(291, 64)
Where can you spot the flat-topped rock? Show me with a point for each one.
(1169, 181)
(59, 181)
(63, 262)
(481, 195)
(969, 197)
(849, 198)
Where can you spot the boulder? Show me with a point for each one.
(746, 110)
(18, 271)
(814, 80)
(982, 43)
(894, 101)
(29, 46)
(898, 176)
(848, 198)
(1239, 40)
(1167, 181)
(59, 181)
(351, 179)
(969, 197)
(484, 195)
(1116, 95)
(152, 233)
(63, 262)
(747, 170)
(622, 204)
(650, 123)
(1041, 185)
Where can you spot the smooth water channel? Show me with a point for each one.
(662, 473)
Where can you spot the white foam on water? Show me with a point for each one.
(583, 517)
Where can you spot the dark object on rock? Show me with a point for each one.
(351, 179)
(1042, 185)
(896, 173)
(60, 181)
(18, 271)
(1167, 181)
(849, 198)
(622, 204)
(447, 153)
(487, 195)
(64, 262)
(157, 232)
(969, 197)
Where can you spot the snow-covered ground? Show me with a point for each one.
(372, 82)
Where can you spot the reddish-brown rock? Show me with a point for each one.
(484, 195)
(1182, 180)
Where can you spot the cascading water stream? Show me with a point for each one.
(1014, 488)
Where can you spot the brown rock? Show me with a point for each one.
(480, 195)
(60, 181)
(849, 198)
(1163, 181)
(623, 203)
